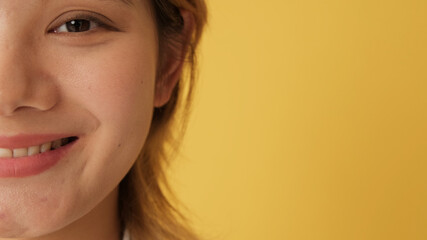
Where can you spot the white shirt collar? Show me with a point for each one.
(126, 235)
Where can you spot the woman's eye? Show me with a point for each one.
(76, 26)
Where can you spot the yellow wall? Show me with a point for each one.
(310, 122)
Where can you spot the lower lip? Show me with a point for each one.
(32, 165)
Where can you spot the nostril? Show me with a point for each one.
(12, 110)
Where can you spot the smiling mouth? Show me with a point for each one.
(34, 150)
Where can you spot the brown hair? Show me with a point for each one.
(145, 210)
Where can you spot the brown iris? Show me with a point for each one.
(78, 25)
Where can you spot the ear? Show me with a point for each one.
(173, 63)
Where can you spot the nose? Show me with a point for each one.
(23, 82)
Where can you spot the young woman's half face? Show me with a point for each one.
(78, 68)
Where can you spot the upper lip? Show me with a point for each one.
(27, 140)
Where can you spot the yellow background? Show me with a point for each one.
(310, 122)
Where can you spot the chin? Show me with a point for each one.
(11, 229)
(35, 225)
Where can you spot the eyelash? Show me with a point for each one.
(92, 19)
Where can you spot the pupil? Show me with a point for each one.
(79, 25)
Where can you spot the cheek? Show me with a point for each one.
(114, 85)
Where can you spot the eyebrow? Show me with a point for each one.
(128, 3)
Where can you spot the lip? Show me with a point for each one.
(35, 164)
(25, 141)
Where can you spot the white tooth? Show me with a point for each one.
(5, 153)
(20, 152)
(33, 150)
(56, 144)
(45, 147)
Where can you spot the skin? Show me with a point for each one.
(98, 85)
